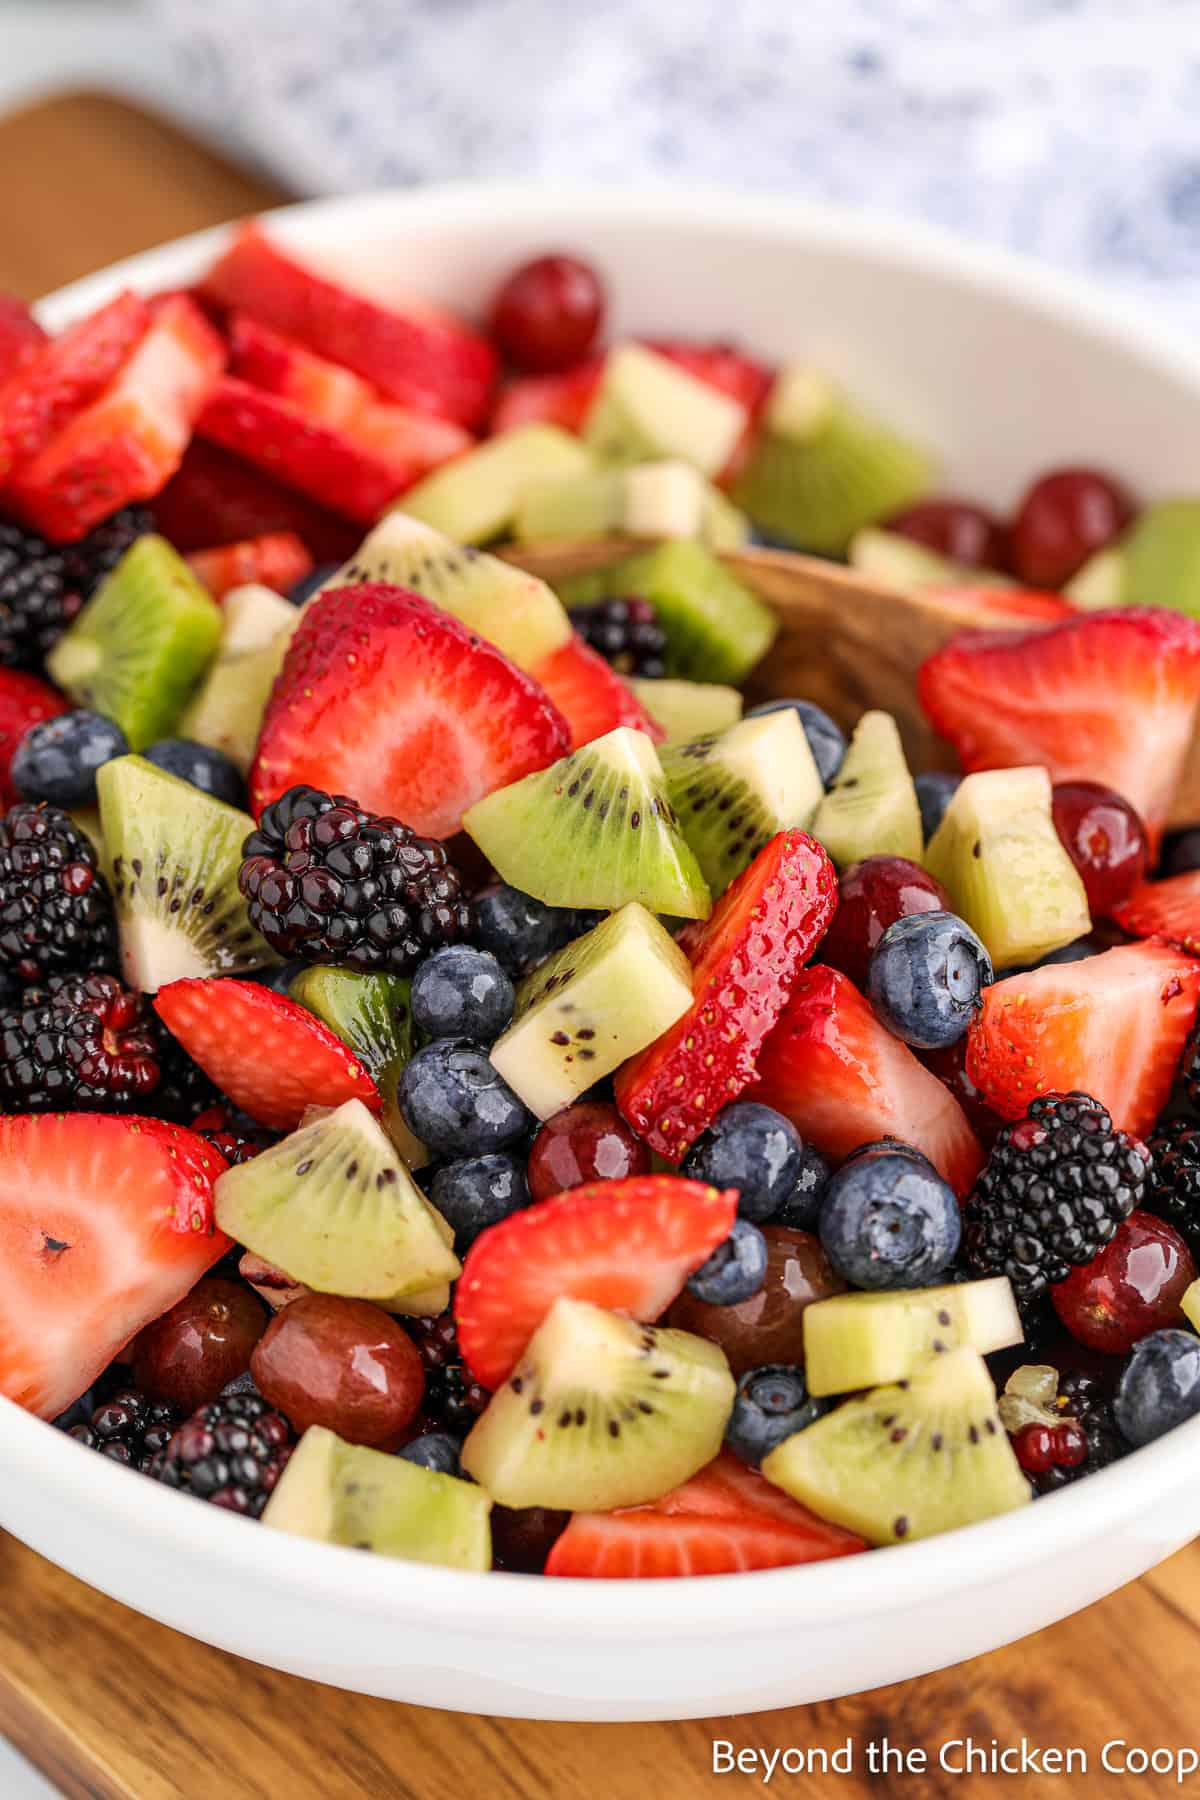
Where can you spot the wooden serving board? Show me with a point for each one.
(113, 1707)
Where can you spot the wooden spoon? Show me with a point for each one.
(845, 641)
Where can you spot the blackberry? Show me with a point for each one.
(1174, 1190)
(1186, 1097)
(452, 1396)
(184, 1091)
(626, 633)
(232, 1452)
(98, 554)
(129, 1427)
(328, 882)
(1056, 1186)
(81, 1043)
(238, 1138)
(1062, 1425)
(43, 586)
(55, 910)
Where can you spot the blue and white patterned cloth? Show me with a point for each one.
(1067, 128)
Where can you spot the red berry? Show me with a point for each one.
(955, 529)
(872, 895)
(1065, 517)
(1105, 839)
(586, 1142)
(548, 312)
(769, 1327)
(1034, 1446)
(1070, 1445)
(1132, 1288)
(344, 1364)
(203, 1342)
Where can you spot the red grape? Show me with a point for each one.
(589, 1141)
(1105, 839)
(873, 894)
(1132, 1288)
(344, 1364)
(769, 1327)
(1065, 517)
(548, 312)
(203, 1342)
(955, 529)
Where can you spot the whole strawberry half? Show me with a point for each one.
(388, 699)
(745, 960)
(24, 701)
(1107, 697)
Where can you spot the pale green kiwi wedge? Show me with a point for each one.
(871, 808)
(648, 408)
(595, 829)
(1001, 861)
(909, 1460)
(140, 645)
(854, 1341)
(333, 1204)
(733, 792)
(547, 1437)
(370, 1013)
(475, 498)
(341, 1493)
(1160, 558)
(516, 612)
(227, 709)
(596, 1002)
(688, 709)
(900, 562)
(172, 856)
(716, 629)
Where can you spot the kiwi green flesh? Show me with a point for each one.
(370, 1013)
(341, 1493)
(601, 1412)
(688, 709)
(473, 498)
(716, 628)
(854, 1341)
(594, 1003)
(733, 792)
(907, 1460)
(1000, 859)
(140, 645)
(595, 829)
(1160, 558)
(227, 709)
(172, 856)
(335, 1207)
(648, 408)
(871, 808)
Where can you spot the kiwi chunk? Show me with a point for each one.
(595, 829)
(654, 500)
(907, 1461)
(900, 562)
(688, 709)
(474, 498)
(141, 643)
(1160, 558)
(1001, 861)
(1190, 1305)
(594, 1003)
(343, 1493)
(335, 1207)
(370, 1013)
(516, 612)
(733, 792)
(647, 407)
(716, 629)
(857, 1341)
(172, 855)
(821, 470)
(871, 808)
(226, 711)
(601, 1412)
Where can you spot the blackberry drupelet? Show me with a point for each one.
(185, 1090)
(238, 1138)
(1056, 1186)
(626, 633)
(1174, 1189)
(231, 1453)
(328, 882)
(43, 586)
(81, 1043)
(55, 910)
(98, 554)
(452, 1396)
(129, 1427)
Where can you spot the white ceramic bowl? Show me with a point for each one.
(1008, 370)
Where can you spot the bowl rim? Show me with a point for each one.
(832, 1591)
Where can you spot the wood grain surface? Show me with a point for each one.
(113, 1707)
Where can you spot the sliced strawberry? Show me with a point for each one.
(590, 695)
(276, 560)
(725, 1519)
(1168, 909)
(387, 699)
(217, 498)
(1000, 603)
(21, 337)
(129, 442)
(1066, 697)
(745, 961)
(419, 356)
(268, 1055)
(1113, 1026)
(844, 1080)
(67, 374)
(104, 1224)
(625, 1245)
(562, 399)
(24, 701)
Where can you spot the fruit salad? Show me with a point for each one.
(486, 1078)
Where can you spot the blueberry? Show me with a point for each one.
(459, 991)
(520, 931)
(479, 1191)
(802, 1207)
(436, 1450)
(736, 1269)
(826, 740)
(78, 1413)
(754, 1149)
(888, 1220)
(874, 1146)
(241, 1384)
(308, 584)
(456, 1102)
(201, 767)
(1160, 1387)
(1181, 852)
(926, 979)
(278, 976)
(57, 759)
(934, 794)
(771, 1403)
